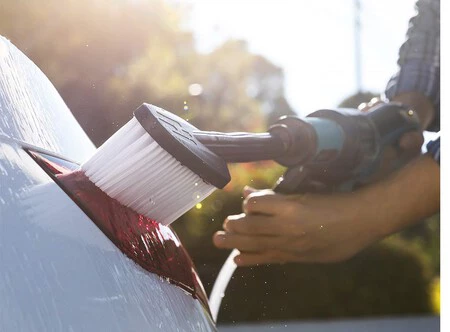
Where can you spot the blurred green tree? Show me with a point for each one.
(81, 46)
(107, 57)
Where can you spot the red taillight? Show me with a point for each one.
(153, 246)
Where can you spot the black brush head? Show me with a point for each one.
(175, 136)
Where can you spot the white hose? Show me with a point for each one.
(221, 283)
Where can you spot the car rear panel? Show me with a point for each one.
(59, 270)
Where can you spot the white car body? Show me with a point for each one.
(59, 271)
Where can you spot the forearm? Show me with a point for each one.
(405, 197)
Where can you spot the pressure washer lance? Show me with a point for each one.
(161, 166)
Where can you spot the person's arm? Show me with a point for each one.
(316, 228)
(328, 228)
(417, 82)
(408, 196)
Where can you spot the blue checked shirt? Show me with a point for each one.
(419, 63)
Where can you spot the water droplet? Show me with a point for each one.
(195, 89)
(186, 107)
(198, 206)
(196, 184)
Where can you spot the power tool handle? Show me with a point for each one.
(392, 121)
(377, 130)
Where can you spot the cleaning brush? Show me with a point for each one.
(155, 166)
(160, 165)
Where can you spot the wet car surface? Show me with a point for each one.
(59, 270)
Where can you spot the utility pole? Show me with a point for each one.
(357, 27)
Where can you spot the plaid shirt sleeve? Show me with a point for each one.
(434, 149)
(419, 62)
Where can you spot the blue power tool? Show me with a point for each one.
(329, 150)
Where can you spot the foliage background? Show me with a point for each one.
(107, 57)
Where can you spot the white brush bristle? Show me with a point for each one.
(135, 170)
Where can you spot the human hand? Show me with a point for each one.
(276, 228)
(409, 145)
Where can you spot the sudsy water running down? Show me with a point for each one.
(149, 243)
